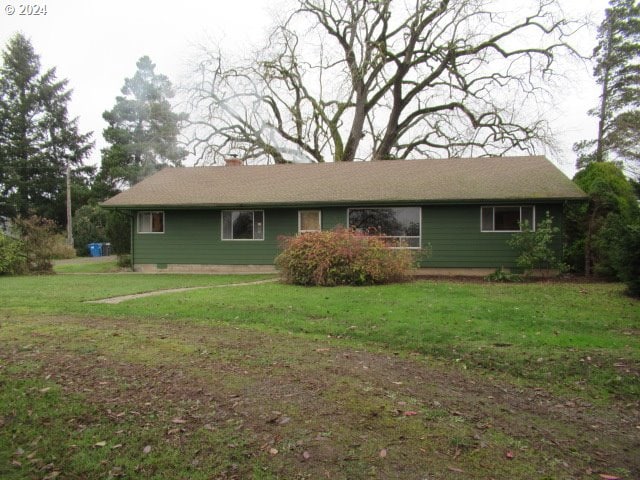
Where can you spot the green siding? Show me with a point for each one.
(194, 237)
(451, 231)
(333, 216)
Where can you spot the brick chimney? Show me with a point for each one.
(233, 161)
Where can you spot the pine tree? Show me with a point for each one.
(617, 71)
(143, 130)
(37, 139)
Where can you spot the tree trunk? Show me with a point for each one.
(588, 260)
(383, 152)
(356, 133)
(69, 219)
(604, 99)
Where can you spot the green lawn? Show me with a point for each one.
(430, 379)
(66, 293)
(110, 266)
(573, 336)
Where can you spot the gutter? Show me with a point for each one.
(344, 203)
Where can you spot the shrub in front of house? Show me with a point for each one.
(503, 276)
(535, 247)
(342, 257)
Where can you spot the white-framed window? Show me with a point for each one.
(400, 227)
(242, 225)
(507, 218)
(151, 222)
(309, 221)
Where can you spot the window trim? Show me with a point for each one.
(300, 221)
(400, 237)
(150, 232)
(493, 208)
(242, 239)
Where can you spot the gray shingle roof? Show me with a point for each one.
(442, 180)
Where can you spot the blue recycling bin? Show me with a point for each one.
(95, 249)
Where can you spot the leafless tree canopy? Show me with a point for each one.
(344, 80)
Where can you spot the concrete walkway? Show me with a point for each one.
(124, 298)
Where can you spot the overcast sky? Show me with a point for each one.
(95, 45)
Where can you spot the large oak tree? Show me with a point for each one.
(341, 80)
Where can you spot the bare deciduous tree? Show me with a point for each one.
(362, 79)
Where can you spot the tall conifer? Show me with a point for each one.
(38, 140)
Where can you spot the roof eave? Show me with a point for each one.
(342, 203)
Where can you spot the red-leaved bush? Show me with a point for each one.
(342, 257)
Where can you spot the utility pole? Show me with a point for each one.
(69, 224)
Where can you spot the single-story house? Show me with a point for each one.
(228, 219)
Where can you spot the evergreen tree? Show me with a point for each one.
(37, 139)
(617, 70)
(142, 131)
(594, 228)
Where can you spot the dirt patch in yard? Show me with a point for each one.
(314, 409)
